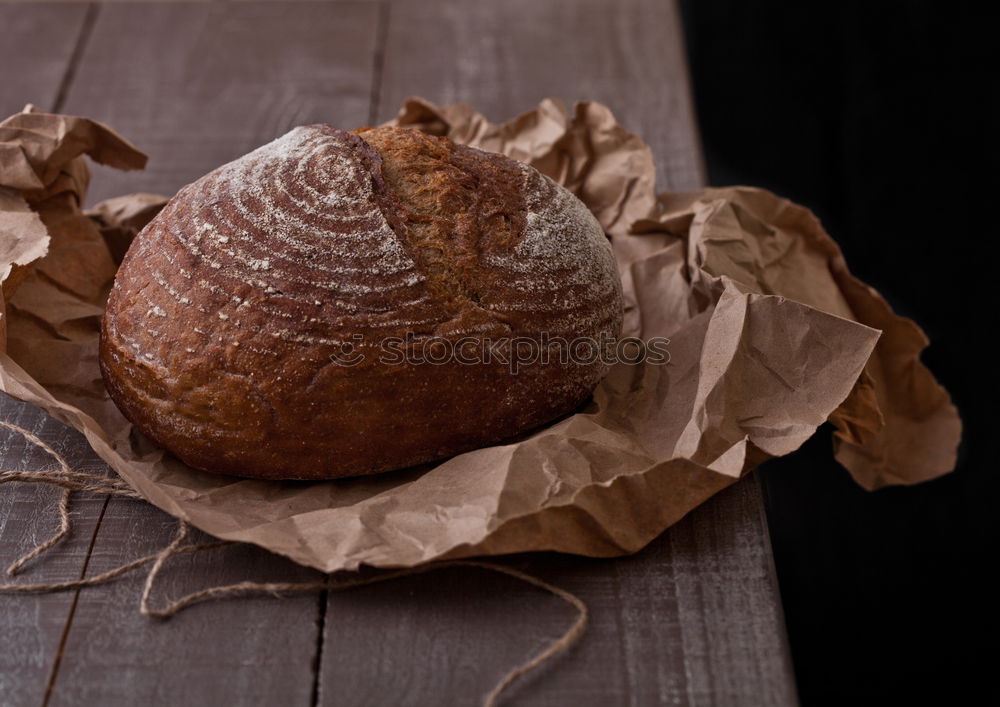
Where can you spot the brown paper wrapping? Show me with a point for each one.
(770, 337)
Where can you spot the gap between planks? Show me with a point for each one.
(50, 684)
(378, 62)
(79, 47)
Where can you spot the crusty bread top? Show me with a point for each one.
(231, 303)
(314, 235)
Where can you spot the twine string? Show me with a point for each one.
(70, 481)
(66, 478)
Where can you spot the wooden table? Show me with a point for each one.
(695, 618)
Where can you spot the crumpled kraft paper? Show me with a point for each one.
(898, 426)
(770, 337)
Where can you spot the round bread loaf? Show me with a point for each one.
(335, 304)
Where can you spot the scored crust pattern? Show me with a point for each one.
(226, 330)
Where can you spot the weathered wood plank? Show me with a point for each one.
(682, 622)
(31, 626)
(38, 41)
(235, 652)
(735, 645)
(197, 85)
(695, 618)
(442, 638)
(504, 57)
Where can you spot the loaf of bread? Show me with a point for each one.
(337, 303)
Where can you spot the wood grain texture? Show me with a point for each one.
(504, 57)
(695, 618)
(690, 620)
(255, 650)
(31, 625)
(735, 646)
(196, 85)
(38, 42)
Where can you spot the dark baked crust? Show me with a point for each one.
(226, 333)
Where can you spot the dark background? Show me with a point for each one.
(881, 117)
